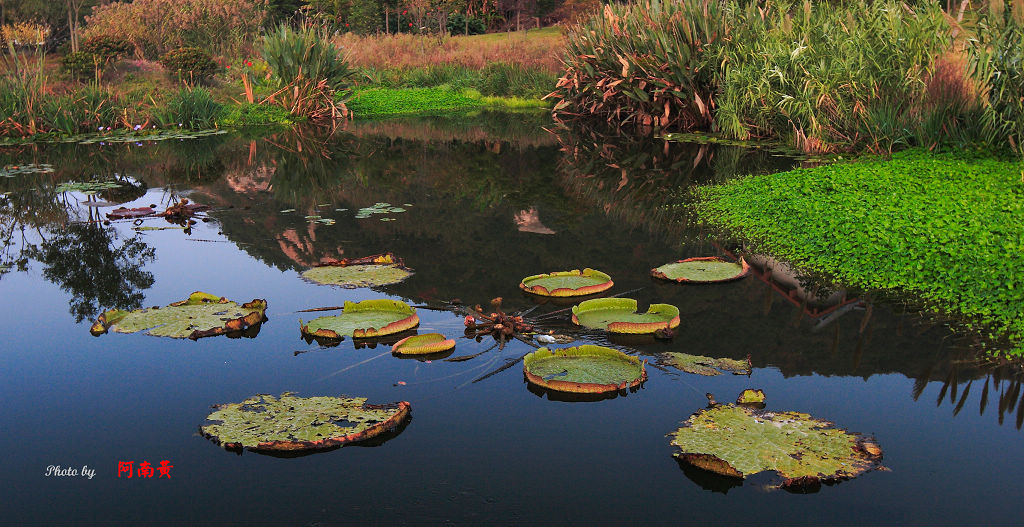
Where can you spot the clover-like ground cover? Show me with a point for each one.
(946, 228)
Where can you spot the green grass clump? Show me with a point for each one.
(374, 102)
(246, 114)
(948, 229)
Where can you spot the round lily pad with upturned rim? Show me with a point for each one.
(366, 319)
(618, 315)
(425, 344)
(584, 369)
(369, 271)
(703, 270)
(567, 283)
(200, 315)
(290, 423)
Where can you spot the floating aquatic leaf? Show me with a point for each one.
(750, 396)
(263, 422)
(31, 168)
(121, 213)
(707, 366)
(200, 315)
(706, 270)
(6, 268)
(369, 318)
(286, 211)
(369, 271)
(423, 344)
(739, 441)
(618, 315)
(312, 217)
(88, 187)
(584, 369)
(130, 136)
(567, 283)
(378, 208)
(162, 228)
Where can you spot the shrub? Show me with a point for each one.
(79, 64)
(106, 47)
(459, 24)
(189, 64)
(191, 108)
(309, 71)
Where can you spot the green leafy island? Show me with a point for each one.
(200, 315)
(738, 441)
(366, 319)
(702, 270)
(584, 369)
(707, 366)
(290, 423)
(618, 315)
(947, 228)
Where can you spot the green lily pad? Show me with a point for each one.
(366, 319)
(200, 315)
(567, 283)
(87, 187)
(705, 270)
(290, 423)
(738, 441)
(584, 369)
(707, 366)
(618, 315)
(370, 271)
(425, 344)
(31, 168)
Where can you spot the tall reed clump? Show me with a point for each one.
(998, 60)
(826, 76)
(191, 107)
(311, 74)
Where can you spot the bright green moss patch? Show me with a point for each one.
(375, 102)
(945, 228)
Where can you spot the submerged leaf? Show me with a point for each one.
(370, 271)
(707, 366)
(739, 441)
(618, 315)
(366, 319)
(567, 283)
(200, 315)
(584, 369)
(705, 270)
(263, 422)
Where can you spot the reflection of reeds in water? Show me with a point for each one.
(1002, 385)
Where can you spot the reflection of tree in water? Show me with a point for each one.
(85, 260)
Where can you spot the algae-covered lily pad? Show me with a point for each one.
(567, 283)
(423, 344)
(366, 319)
(618, 315)
(706, 270)
(290, 423)
(370, 271)
(584, 369)
(200, 315)
(738, 441)
(707, 366)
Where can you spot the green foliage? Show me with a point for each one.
(495, 79)
(459, 25)
(190, 65)
(106, 46)
(999, 62)
(246, 114)
(79, 64)
(192, 108)
(310, 72)
(944, 228)
(374, 102)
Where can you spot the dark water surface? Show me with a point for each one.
(492, 200)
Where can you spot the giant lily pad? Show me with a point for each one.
(366, 319)
(425, 344)
(738, 441)
(567, 283)
(263, 422)
(706, 270)
(200, 315)
(584, 369)
(369, 271)
(707, 366)
(618, 315)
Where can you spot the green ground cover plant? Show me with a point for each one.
(372, 102)
(948, 229)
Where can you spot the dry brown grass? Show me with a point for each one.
(542, 52)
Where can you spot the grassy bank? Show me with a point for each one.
(386, 102)
(948, 229)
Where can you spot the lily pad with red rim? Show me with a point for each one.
(426, 344)
(369, 271)
(584, 369)
(200, 315)
(703, 270)
(618, 315)
(291, 423)
(567, 283)
(366, 319)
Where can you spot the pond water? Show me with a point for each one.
(488, 200)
